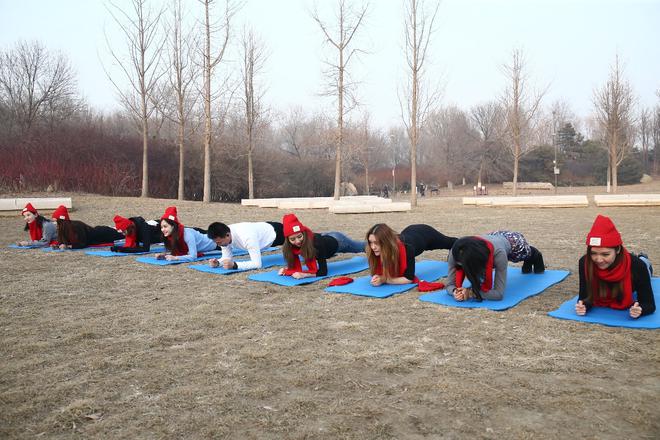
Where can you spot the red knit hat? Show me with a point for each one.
(29, 208)
(171, 214)
(340, 281)
(603, 233)
(121, 223)
(292, 225)
(61, 213)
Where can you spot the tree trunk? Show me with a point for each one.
(181, 191)
(340, 127)
(145, 146)
(206, 198)
(250, 166)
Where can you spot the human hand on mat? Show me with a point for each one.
(376, 280)
(159, 256)
(65, 246)
(301, 275)
(463, 293)
(281, 271)
(635, 310)
(214, 262)
(228, 263)
(22, 243)
(170, 257)
(581, 309)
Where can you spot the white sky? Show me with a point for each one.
(569, 44)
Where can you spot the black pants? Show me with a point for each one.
(279, 233)
(426, 238)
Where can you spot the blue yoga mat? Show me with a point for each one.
(239, 252)
(266, 261)
(152, 250)
(116, 243)
(426, 270)
(335, 268)
(612, 317)
(519, 286)
(32, 246)
(155, 262)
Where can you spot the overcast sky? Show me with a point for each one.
(569, 45)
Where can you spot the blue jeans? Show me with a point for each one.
(347, 244)
(646, 261)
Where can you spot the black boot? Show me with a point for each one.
(534, 261)
(537, 260)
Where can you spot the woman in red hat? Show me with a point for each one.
(42, 232)
(315, 249)
(183, 244)
(74, 234)
(610, 275)
(475, 258)
(392, 256)
(140, 234)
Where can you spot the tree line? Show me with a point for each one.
(189, 113)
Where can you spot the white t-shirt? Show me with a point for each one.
(250, 237)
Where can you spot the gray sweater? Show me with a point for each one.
(48, 234)
(501, 249)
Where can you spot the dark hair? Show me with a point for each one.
(217, 230)
(130, 230)
(66, 231)
(472, 254)
(389, 250)
(307, 249)
(40, 221)
(171, 242)
(603, 289)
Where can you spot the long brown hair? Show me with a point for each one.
(171, 242)
(389, 250)
(307, 249)
(602, 289)
(66, 231)
(130, 229)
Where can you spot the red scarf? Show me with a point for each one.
(403, 264)
(183, 246)
(612, 275)
(297, 266)
(488, 275)
(36, 230)
(131, 239)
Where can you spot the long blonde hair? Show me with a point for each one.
(389, 250)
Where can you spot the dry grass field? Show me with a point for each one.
(114, 349)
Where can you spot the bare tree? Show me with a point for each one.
(521, 109)
(645, 131)
(419, 97)
(614, 105)
(181, 80)
(211, 59)
(655, 134)
(254, 57)
(141, 68)
(348, 22)
(303, 136)
(34, 82)
(362, 148)
(488, 120)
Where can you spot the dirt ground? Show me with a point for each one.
(113, 349)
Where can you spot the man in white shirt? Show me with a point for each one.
(250, 237)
